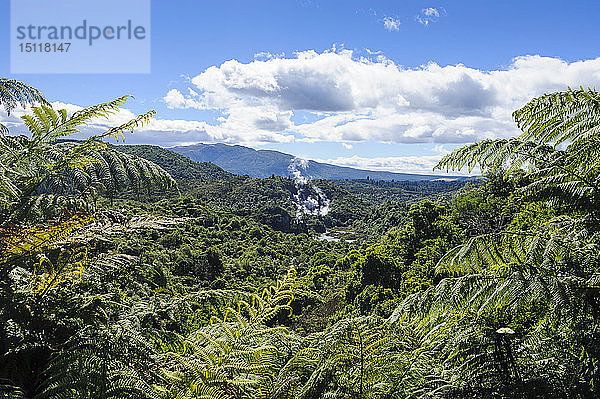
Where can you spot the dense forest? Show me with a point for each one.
(134, 272)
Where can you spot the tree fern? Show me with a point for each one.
(46, 275)
(558, 148)
(14, 93)
(364, 357)
(76, 171)
(102, 362)
(539, 262)
(18, 243)
(235, 356)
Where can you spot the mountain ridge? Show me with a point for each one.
(241, 160)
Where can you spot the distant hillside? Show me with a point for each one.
(377, 191)
(242, 160)
(179, 166)
(273, 200)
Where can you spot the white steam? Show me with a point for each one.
(306, 203)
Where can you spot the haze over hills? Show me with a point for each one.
(242, 160)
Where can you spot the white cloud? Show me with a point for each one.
(407, 164)
(430, 15)
(403, 164)
(163, 132)
(267, 55)
(441, 149)
(431, 12)
(347, 146)
(354, 99)
(175, 99)
(392, 24)
(339, 97)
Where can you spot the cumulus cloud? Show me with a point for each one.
(175, 99)
(163, 132)
(430, 15)
(407, 164)
(267, 55)
(391, 24)
(338, 96)
(356, 98)
(402, 164)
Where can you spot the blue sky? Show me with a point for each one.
(375, 84)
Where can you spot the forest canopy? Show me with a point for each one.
(133, 272)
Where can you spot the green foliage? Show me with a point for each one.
(234, 356)
(379, 191)
(179, 167)
(39, 173)
(51, 341)
(222, 292)
(14, 93)
(365, 357)
(558, 149)
(101, 362)
(544, 260)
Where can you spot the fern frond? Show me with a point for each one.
(47, 125)
(561, 117)
(14, 93)
(110, 362)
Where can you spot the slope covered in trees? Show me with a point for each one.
(193, 289)
(272, 198)
(379, 191)
(178, 166)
